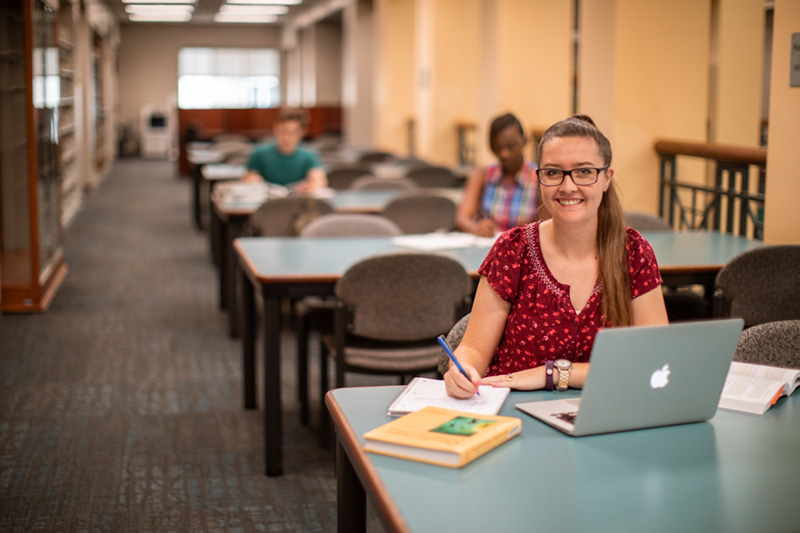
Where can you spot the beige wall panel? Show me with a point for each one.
(782, 222)
(449, 74)
(394, 74)
(329, 64)
(736, 99)
(660, 88)
(532, 71)
(148, 58)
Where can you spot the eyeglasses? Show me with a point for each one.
(584, 176)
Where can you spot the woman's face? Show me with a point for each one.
(507, 146)
(570, 203)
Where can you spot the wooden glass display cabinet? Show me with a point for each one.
(31, 240)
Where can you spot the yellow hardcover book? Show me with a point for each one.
(441, 436)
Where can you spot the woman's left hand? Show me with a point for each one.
(524, 380)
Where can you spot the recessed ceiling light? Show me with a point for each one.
(254, 10)
(266, 2)
(246, 19)
(160, 17)
(190, 2)
(160, 8)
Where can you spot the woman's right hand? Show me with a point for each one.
(484, 227)
(457, 385)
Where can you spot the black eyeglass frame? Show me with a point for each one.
(565, 173)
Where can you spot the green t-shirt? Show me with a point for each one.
(279, 168)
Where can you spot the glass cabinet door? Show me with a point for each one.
(31, 251)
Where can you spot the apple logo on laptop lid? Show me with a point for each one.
(660, 378)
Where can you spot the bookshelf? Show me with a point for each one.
(31, 241)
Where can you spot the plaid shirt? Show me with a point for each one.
(509, 203)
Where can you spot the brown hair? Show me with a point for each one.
(289, 114)
(611, 240)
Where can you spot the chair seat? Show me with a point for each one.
(402, 358)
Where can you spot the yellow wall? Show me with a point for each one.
(529, 65)
(653, 67)
(448, 72)
(394, 74)
(738, 70)
(782, 222)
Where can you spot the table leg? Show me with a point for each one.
(215, 233)
(351, 500)
(196, 211)
(273, 410)
(234, 230)
(248, 342)
(226, 266)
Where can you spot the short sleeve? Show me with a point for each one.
(313, 160)
(502, 265)
(642, 265)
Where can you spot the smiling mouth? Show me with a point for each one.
(569, 201)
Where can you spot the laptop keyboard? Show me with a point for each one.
(569, 416)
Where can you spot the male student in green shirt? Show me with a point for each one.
(283, 162)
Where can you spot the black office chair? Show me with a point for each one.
(453, 339)
(771, 343)
(316, 314)
(682, 303)
(343, 177)
(433, 177)
(390, 309)
(760, 285)
(283, 217)
(420, 212)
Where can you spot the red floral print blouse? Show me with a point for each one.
(542, 323)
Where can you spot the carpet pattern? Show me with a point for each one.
(121, 407)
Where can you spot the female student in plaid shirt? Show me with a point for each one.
(502, 195)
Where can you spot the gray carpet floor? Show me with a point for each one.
(121, 406)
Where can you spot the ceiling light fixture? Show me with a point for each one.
(160, 17)
(254, 10)
(266, 2)
(153, 8)
(149, 2)
(245, 19)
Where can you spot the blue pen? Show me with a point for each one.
(449, 351)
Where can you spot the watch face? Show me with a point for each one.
(563, 364)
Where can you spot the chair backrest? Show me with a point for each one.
(371, 183)
(760, 285)
(343, 177)
(404, 296)
(646, 222)
(350, 225)
(433, 177)
(421, 213)
(412, 163)
(453, 339)
(376, 156)
(283, 217)
(771, 343)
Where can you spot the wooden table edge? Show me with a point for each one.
(364, 469)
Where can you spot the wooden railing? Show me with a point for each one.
(466, 132)
(729, 201)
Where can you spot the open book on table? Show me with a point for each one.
(422, 392)
(755, 388)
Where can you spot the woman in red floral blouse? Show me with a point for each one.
(547, 287)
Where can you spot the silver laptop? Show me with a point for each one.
(642, 377)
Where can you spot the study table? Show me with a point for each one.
(738, 472)
(229, 216)
(280, 267)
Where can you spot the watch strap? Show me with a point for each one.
(548, 375)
